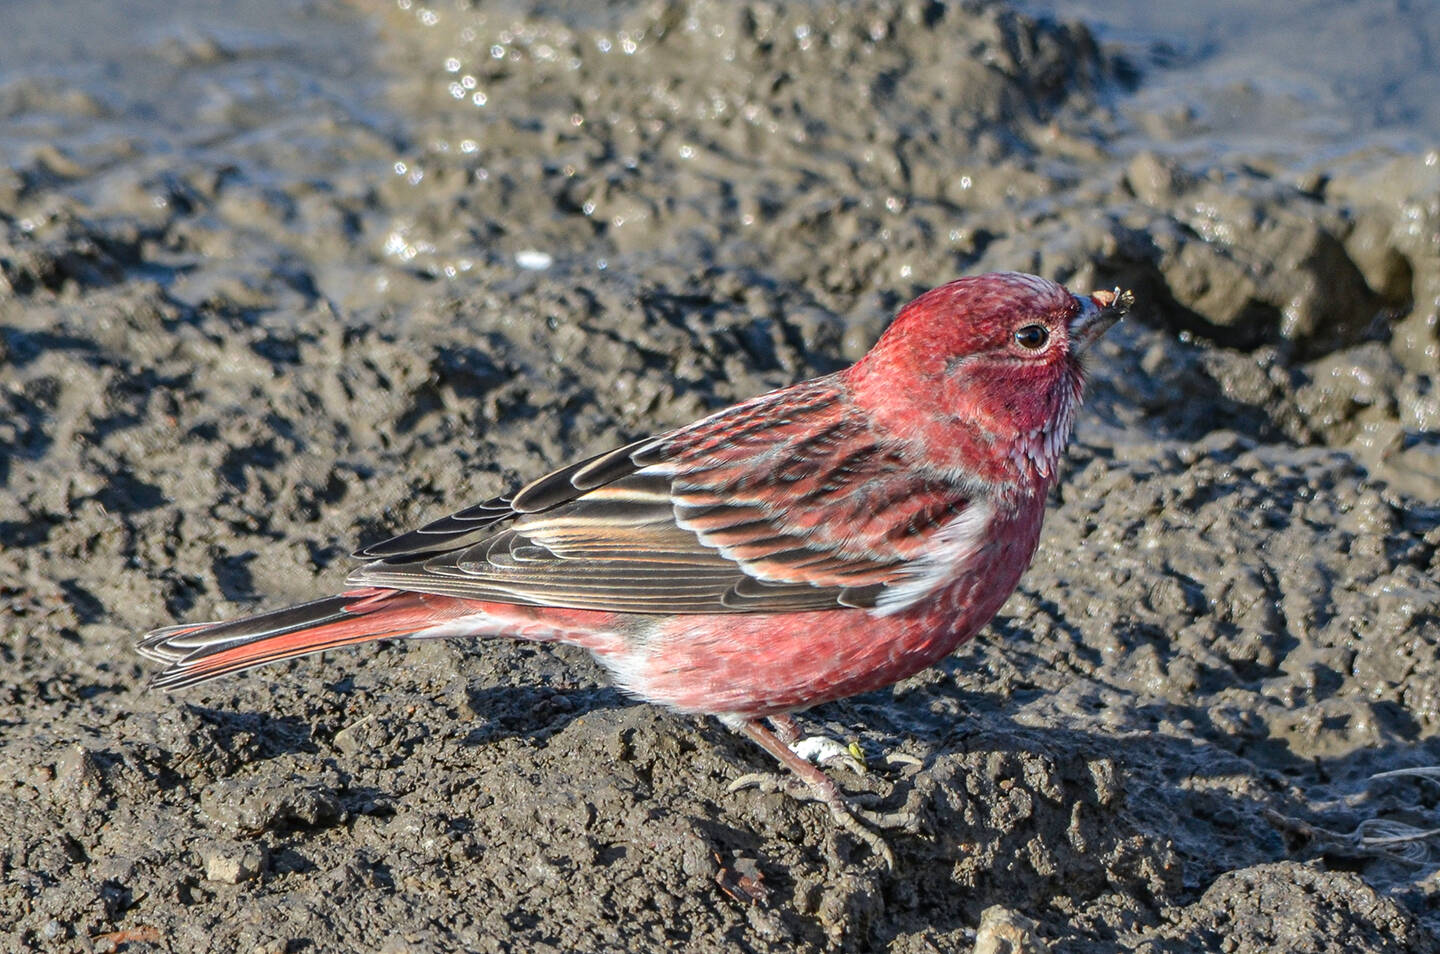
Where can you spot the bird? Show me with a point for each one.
(822, 540)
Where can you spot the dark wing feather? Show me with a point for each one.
(554, 488)
(785, 503)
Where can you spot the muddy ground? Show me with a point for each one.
(271, 287)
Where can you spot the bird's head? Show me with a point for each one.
(985, 373)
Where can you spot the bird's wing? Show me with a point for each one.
(785, 503)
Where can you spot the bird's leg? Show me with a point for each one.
(785, 728)
(820, 787)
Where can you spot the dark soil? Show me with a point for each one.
(272, 289)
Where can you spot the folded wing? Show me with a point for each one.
(786, 503)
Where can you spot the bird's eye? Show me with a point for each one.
(1032, 337)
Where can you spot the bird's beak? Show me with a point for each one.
(1097, 313)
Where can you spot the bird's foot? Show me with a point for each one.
(849, 811)
(860, 805)
(806, 782)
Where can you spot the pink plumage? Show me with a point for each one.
(819, 541)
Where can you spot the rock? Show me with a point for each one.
(228, 862)
(1003, 931)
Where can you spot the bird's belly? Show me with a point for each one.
(755, 665)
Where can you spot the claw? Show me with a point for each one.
(902, 758)
(767, 783)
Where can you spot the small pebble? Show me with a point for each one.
(1003, 931)
(231, 863)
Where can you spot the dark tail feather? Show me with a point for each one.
(197, 652)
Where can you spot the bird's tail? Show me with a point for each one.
(196, 652)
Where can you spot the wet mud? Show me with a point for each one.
(273, 288)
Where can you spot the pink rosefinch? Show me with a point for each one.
(822, 540)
